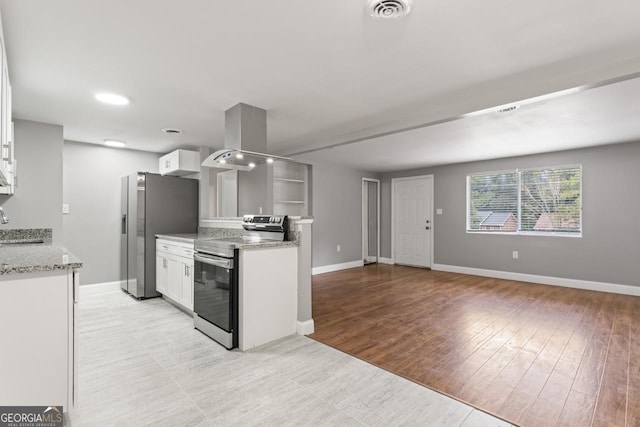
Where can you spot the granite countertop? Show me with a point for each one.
(235, 238)
(183, 237)
(263, 244)
(29, 258)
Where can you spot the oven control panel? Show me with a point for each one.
(263, 219)
(274, 224)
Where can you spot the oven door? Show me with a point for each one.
(215, 284)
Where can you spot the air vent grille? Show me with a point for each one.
(172, 131)
(389, 8)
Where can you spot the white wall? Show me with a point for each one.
(37, 202)
(91, 187)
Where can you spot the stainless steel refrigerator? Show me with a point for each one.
(152, 204)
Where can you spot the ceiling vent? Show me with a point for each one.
(389, 8)
(172, 131)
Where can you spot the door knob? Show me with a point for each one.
(427, 228)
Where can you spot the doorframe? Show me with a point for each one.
(364, 220)
(393, 210)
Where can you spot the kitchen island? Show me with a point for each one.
(242, 281)
(38, 299)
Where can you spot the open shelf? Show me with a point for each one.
(290, 188)
(301, 181)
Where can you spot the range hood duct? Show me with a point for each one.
(245, 140)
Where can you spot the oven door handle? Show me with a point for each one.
(218, 262)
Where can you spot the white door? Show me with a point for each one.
(412, 221)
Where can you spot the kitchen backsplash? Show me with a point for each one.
(18, 234)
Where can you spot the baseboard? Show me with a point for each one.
(336, 267)
(543, 280)
(105, 286)
(305, 327)
(383, 260)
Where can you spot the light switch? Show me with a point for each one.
(438, 211)
(65, 208)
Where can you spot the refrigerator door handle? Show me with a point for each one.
(124, 224)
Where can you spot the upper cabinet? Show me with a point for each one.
(180, 162)
(7, 162)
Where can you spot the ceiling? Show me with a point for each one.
(331, 76)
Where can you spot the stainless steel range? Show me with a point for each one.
(215, 299)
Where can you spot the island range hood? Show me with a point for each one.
(245, 140)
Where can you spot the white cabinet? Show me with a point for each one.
(174, 271)
(186, 282)
(7, 162)
(180, 162)
(37, 326)
(174, 285)
(162, 275)
(268, 295)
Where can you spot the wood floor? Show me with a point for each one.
(531, 354)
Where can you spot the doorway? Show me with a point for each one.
(412, 242)
(370, 220)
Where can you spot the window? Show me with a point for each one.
(529, 201)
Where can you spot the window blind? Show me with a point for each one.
(530, 201)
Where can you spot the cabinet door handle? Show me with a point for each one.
(164, 263)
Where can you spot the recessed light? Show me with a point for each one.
(269, 160)
(114, 143)
(112, 98)
(252, 165)
(239, 156)
(223, 161)
(172, 131)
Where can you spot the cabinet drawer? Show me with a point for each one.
(175, 248)
(167, 246)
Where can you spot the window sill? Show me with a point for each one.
(525, 233)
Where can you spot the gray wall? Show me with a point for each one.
(91, 187)
(609, 250)
(337, 212)
(37, 202)
(372, 218)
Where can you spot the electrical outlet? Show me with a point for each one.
(65, 208)
(438, 211)
(338, 248)
(515, 254)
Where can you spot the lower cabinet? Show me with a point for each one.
(174, 271)
(186, 283)
(39, 339)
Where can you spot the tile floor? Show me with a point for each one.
(142, 363)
